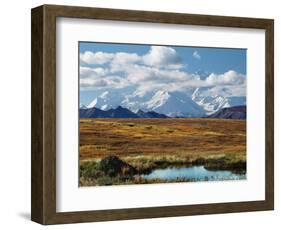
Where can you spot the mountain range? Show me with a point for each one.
(195, 103)
(236, 112)
(212, 104)
(119, 112)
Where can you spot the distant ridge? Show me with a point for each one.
(235, 112)
(150, 114)
(91, 113)
(119, 112)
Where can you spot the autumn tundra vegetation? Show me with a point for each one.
(119, 151)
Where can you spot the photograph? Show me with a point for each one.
(141, 114)
(161, 114)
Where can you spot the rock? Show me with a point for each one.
(113, 166)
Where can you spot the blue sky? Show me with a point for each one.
(130, 67)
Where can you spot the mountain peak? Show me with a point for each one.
(121, 112)
(82, 106)
(158, 99)
(119, 107)
(93, 103)
(235, 112)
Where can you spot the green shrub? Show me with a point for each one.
(90, 170)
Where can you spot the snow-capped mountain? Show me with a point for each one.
(196, 103)
(214, 103)
(173, 104)
(107, 100)
(236, 112)
(82, 106)
(137, 101)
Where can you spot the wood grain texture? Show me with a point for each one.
(44, 114)
(269, 116)
(37, 115)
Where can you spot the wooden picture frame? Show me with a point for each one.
(43, 207)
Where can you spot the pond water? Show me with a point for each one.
(194, 173)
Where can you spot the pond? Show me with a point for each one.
(194, 173)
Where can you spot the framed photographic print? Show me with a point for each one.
(140, 114)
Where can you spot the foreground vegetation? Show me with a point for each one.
(146, 144)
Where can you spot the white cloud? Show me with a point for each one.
(162, 56)
(160, 68)
(93, 83)
(146, 78)
(86, 72)
(141, 74)
(125, 58)
(196, 55)
(159, 56)
(100, 58)
(115, 82)
(229, 78)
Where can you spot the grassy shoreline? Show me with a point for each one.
(92, 175)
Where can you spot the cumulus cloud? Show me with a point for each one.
(125, 58)
(196, 55)
(162, 56)
(229, 78)
(98, 77)
(115, 82)
(93, 83)
(100, 58)
(87, 72)
(160, 68)
(140, 74)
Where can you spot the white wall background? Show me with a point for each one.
(15, 113)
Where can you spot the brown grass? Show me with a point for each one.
(180, 138)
